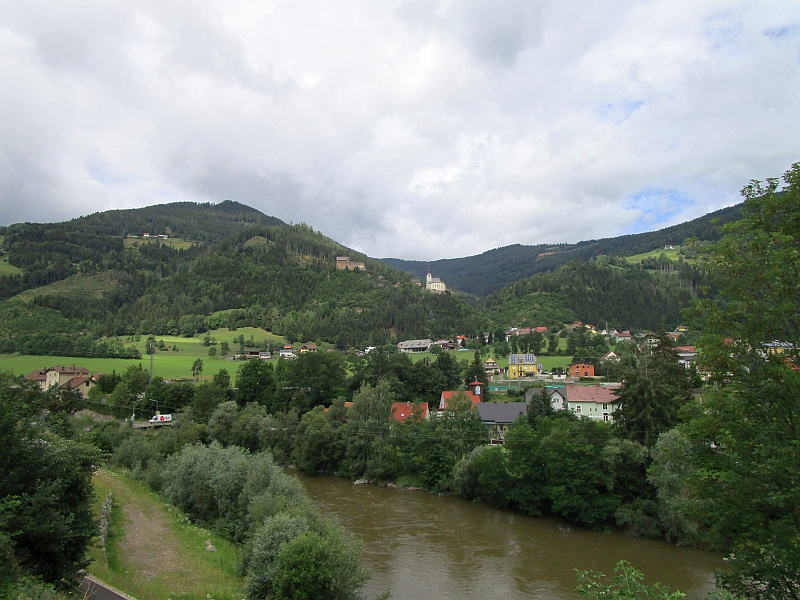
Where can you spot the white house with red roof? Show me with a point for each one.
(593, 401)
(475, 393)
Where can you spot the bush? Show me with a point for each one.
(315, 567)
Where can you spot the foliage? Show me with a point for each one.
(314, 566)
(598, 291)
(745, 446)
(46, 521)
(627, 585)
(654, 388)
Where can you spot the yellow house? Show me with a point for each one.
(522, 365)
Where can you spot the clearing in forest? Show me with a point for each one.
(154, 553)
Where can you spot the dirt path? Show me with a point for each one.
(157, 554)
(149, 543)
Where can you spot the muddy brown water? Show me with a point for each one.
(420, 545)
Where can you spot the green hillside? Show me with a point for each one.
(488, 272)
(263, 273)
(605, 289)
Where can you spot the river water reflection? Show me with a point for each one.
(425, 546)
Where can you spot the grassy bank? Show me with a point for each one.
(154, 553)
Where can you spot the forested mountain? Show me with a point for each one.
(488, 272)
(602, 290)
(259, 270)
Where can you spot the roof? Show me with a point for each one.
(76, 381)
(401, 411)
(447, 395)
(522, 359)
(501, 412)
(591, 393)
(37, 375)
(71, 369)
(415, 344)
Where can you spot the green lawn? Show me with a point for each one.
(8, 269)
(154, 553)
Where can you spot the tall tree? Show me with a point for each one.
(654, 388)
(746, 442)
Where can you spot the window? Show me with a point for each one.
(605, 406)
(578, 409)
(605, 417)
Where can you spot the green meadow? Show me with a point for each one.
(169, 364)
(8, 269)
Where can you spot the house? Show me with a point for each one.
(558, 397)
(592, 401)
(474, 393)
(415, 345)
(434, 284)
(682, 328)
(403, 411)
(581, 369)
(674, 335)
(522, 365)
(624, 336)
(71, 377)
(517, 331)
(609, 356)
(308, 348)
(286, 352)
(344, 262)
(499, 416)
(491, 367)
(445, 344)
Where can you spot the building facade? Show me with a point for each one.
(434, 284)
(522, 365)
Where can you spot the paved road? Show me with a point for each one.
(94, 589)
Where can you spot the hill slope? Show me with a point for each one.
(488, 272)
(263, 272)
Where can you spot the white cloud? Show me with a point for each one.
(420, 128)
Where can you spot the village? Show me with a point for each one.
(513, 381)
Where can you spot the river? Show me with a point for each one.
(424, 546)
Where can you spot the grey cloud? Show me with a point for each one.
(423, 129)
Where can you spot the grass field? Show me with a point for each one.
(173, 242)
(95, 284)
(154, 553)
(167, 363)
(671, 254)
(8, 269)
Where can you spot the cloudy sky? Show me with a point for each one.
(411, 128)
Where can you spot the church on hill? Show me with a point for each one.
(434, 284)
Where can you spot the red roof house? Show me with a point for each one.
(417, 411)
(475, 393)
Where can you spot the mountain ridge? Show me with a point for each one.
(488, 272)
